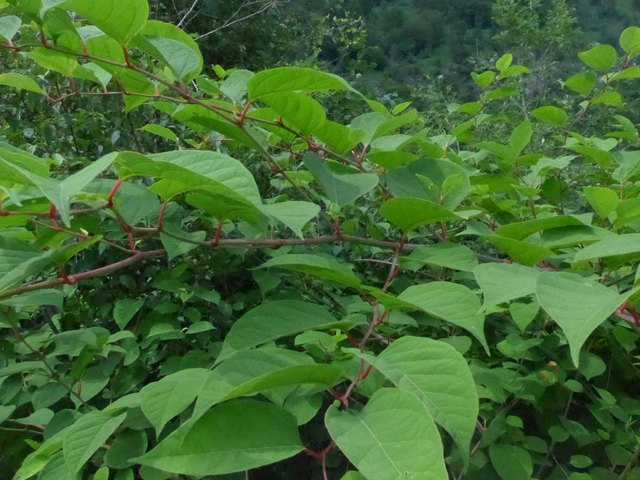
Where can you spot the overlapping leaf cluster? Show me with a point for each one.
(387, 301)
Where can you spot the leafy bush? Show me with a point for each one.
(294, 297)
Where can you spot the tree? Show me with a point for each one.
(294, 297)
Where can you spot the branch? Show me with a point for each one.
(186, 15)
(230, 21)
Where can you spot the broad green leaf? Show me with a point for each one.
(18, 80)
(125, 309)
(232, 437)
(54, 61)
(609, 247)
(439, 181)
(511, 462)
(295, 376)
(9, 26)
(172, 46)
(520, 137)
(504, 62)
(582, 83)
(36, 298)
(120, 19)
(392, 438)
(160, 131)
(128, 444)
(445, 254)
(630, 41)
(217, 184)
(293, 79)
(297, 110)
(603, 200)
(451, 302)
(523, 313)
(552, 115)
(242, 370)
(602, 57)
(319, 266)
(439, 376)
(625, 74)
(176, 247)
(293, 214)
(521, 230)
(340, 189)
(36, 461)
(577, 305)
(484, 79)
(502, 282)
(522, 252)
(411, 213)
(168, 397)
(273, 320)
(18, 260)
(374, 125)
(86, 436)
(212, 165)
(607, 97)
(57, 469)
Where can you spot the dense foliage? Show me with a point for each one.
(268, 275)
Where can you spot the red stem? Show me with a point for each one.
(113, 191)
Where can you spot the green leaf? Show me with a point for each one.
(297, 110)
(411, 213)
(602, 57)
(120, 19)
(273, 320)
(162, 400)
(36, 298)
(392, 438)
(232, 437)
(439, 376)
(577, 305)
(609, 247)
(582, 83)
(318, 266)
(36, 461)
(511, 462)
(520, 137)
(293, 214)
(125, 309)
(447, 255)
(340, 189)
(18, 80)
(160, 131)
(504, 62)
(86, 436)
(523, 313)
(522, 252)
(451, 302)
(9, 26)
(551, 115)
(603, 200)
(484, 79)
(293, 79)
(127, 445)
(607, 97)
(172, 46)
(522, 230)
(176, 247)
(245, 371)
(502, 282)
(630, 41)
